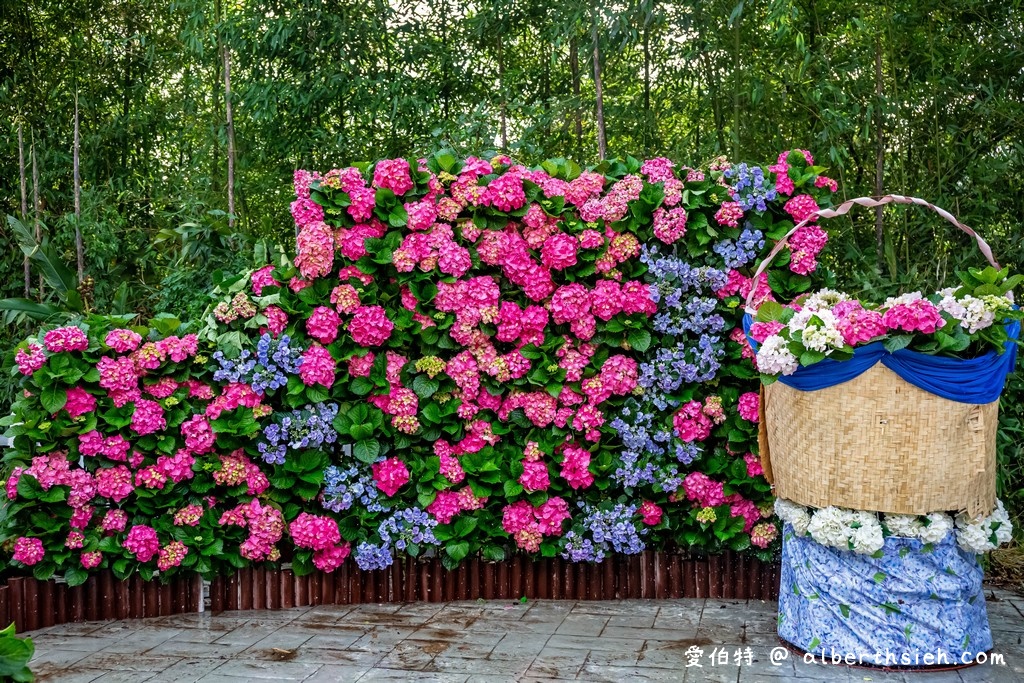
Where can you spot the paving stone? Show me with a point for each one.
(615, 674)
(279, 671)
(125, 677)
(186, 671)
(69, 676)
(631, 621)
(558, 662)
(337, 639)
(113, 661)
(88, 643)
(641, 634)
(489, 666)
(582, 625)
(338, 673)
(54, 659)
(417, 676)
(411, 655)
(183, 648)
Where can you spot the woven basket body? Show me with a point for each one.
(879, 443)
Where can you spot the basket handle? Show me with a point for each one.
(869, 202)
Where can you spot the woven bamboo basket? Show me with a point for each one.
(877, 442)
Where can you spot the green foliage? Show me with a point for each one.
(15, 654)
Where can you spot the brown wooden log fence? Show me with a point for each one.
(33, 604)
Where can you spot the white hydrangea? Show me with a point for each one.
(822, 338)
(775, 358)
(867, 538)
(985, 533)
(903, 526)
(824, 299)
(973, 314)
(902, 299)
(793, 514)
(830, 526)
(802, 318)
(938, 525)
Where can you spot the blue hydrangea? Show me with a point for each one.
(411, 526)
(345, 487)
(370, 556)
(753, 188)
(741, 251)
(266, 370)
(310, 427)
(599, 531)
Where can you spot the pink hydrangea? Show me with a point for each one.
(703, 490)
(619, 375)
(360, 366)
(263, 278)
(30, 359)
(306, 212)
(729, 214)
(329, 559)
(28, 551)
(199, 436)
(860, 326)
(65, 339)
(763, 534)
(79, 402)
(315, 250)
(188, 515)
(390, 475)
(148, 417)
(394, 175)
(559, 251)
(761, 331)
(690, 422)
(749, 405)
(122, 340)
(669, 226)
(919, 315)
(114, 483)
(114, 521)
(142, 542)
(171, 555)
(535, 476)
(277, 320)
(316, 532)
(550, 515)
(575, 467)
(754, 468)
(345, 298)
(801, 207)
(445, 506)
(177, 467)
(569, 303)
(370, 326)
(322, 324)
(318, 366)
(650, 513)
(91, 560)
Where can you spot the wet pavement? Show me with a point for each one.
(461, 642)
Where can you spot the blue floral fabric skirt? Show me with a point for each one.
(916, 605)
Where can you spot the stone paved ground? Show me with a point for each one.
(632, 640)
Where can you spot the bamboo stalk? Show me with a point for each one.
(231, 137)
(79, 247)
(24, 201)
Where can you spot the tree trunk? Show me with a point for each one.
(24, 201)
(736, 90)
(602, 146)
(231, 137)
(79, 247)
(36, 209)
(504, 96)
(574, 65)
(648, 122)
(879, 156)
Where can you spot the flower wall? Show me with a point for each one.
(463, 357)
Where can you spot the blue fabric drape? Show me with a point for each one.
(912, 601)
(974, 380)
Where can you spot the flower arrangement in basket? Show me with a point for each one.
(887, 407)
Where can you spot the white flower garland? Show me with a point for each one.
(863, 533)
